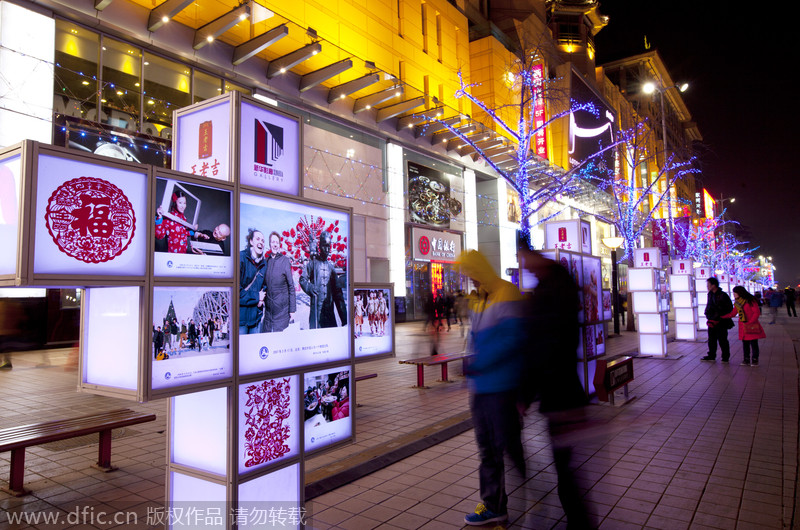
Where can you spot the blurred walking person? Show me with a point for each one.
(791, 295)
(775, 302)
(551, 370)
(494, 377)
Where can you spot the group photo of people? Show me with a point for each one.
(326, 398)
(372, 311)
(293, 272)
(190, 321)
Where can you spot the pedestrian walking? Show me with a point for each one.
(746, 307)
(775, 302)
(791, 295)
(494, 377)
(718, 305)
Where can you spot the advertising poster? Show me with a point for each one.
(293, 285)
(269, 429)
(608, 313)
(191, 336)
(326, 403)
(590, 129)
(10, 183)
(192, 230)
(269, 150)
(90, 218)
(372, 321)
(592, 289)
(429, 200)
(573, 263)
(203, 138)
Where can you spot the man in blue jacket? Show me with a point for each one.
(493, 375)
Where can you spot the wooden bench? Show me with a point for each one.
(433, 360)
(16, 439)
(365, 376)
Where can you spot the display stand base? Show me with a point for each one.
(612, 401)
(660, 357)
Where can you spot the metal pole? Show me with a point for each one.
(615, 290)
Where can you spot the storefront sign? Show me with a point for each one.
(270, 149)
(433, 245)
(539, 117)
(203, 137)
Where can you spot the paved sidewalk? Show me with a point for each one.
(702, 446)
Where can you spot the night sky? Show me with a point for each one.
(738, 62)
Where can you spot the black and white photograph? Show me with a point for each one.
(192, 230)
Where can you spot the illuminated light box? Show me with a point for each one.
(269, 148)
(327, 405)
(594, 343)
(202, 135)
(685, 331)
(703, 272)
(645, 302)
(201, 357)
(195, 417)
(641, 279)
(684, 315)
(111, 339)
(305, 319)
(269, 424)
(682, 299)
(683, 266)
(608, 313)
(652, 344)
(373, 321)
(651, 323)
(10, 193)
(647, 257)
(91, 215)
(587, 381)
(193, 234)
(277, 492)
(572, 234)
(592, 290)
(195, 502)
(234, 136)
(678, 282)
(701, 287)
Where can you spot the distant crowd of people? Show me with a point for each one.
(171, 337)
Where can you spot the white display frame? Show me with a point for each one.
(21, 184)
(385, 352)
(351, 418)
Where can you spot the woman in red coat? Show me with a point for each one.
(746, 306)
(170, 227)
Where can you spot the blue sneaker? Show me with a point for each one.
(483, 516)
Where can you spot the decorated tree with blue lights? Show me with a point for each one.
(522, 123)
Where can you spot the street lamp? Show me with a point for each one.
(650, 88)
(614, 243)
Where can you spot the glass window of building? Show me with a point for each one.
(233, 86)
(167, 86)
(205, 86)
(121, 93)
(76, 56)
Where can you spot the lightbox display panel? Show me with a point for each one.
(682, 299)
(703, 272)
(373, 320)
(203, 138)
(304, 318)
(91, 218)
(608, 313)
(641, 279)
(573, 234)
(327, 406)
(192, 230)
(592, 289)
(684, 315)
(594, 340)
(588, 381)
(663, 290)
(269, 149)
(111, 340)
(269, 422)
(10, 193)
(651, 323)
(203, 357)
(653, 344)
(685, 331)
(647, 257)
(199, 430)
(196, 502)
(646, 302)
(274, 493)
(574, 264)
(680, 282)
(683, 266)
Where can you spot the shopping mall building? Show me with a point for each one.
(371, 83)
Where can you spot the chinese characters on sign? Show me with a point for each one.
(432, 245)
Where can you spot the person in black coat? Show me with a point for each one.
(280, 301)
(717, 305)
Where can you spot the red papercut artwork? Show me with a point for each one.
(299, 242)
(90, 219)
(266, 412)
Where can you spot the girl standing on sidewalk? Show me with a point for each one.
(746, 306)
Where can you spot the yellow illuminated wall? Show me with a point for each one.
(422, 43)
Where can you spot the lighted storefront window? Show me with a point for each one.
(233, 86)
(205, 86)
(167, 86)
(121, 94)
(75, 71)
